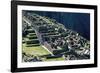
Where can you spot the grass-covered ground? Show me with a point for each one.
(39, 51)
(55, 59)
(35, 50)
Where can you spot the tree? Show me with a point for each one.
(60, 30)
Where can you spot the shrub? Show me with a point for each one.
(60, 30)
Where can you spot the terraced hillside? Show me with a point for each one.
(45, 39)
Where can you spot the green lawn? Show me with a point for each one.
(35, 50)
(55, 59)
(39, 51)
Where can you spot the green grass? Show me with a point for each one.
(31, 30)
(32, 34)
(28, 36)
(32, 45)
(35, 50)
(39, 51)
(55, 59)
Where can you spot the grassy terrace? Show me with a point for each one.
(55, 59)
(35, 50)
(39, 51)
